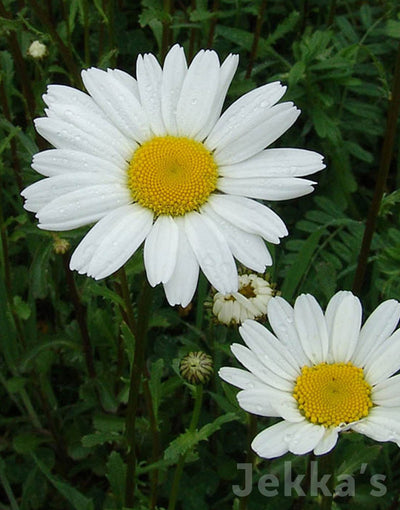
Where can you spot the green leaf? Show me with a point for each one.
(97, 438)
(21, 308)
(116, 473)
(186, 441)
(73, 496)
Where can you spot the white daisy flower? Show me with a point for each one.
(249, 302)
(321, 373)
(151, 160)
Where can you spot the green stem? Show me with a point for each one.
(386, 158)
(156, 452)
(165, 28)
(326, 466)
(7, 487)
(256, 38)
(64, 50)
(134, 388)
(213, 24)
(250, 457)
(80, 314)
(181, 462)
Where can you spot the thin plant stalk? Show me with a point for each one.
(250, 457)
(386, 158)
(156, 451)
(134, 388)
(326, 466)
(20, 67)
(64, 50)
(167, 5)
(213, 24)
(256, 38)
(81, 318)
(181, 462)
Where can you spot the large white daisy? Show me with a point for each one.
(322, 373)
(151, 160)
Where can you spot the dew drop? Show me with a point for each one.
(194, 101)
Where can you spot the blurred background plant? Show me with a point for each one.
(65, 344)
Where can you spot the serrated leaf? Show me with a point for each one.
(116, 473)
(97, 438)
(186, 441)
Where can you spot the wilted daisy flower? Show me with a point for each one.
(37, 50)
(151, 160)
(249, 302)
(321, 373)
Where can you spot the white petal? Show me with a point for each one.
(382, 424)
(328, 441)
(249, 360)
(286, 406)
(126, 79)
(212, 252)
(269, 350)
(385, 361)
(227, 71)
(276, 163)
(311, 327)
(246, 113)
(241, 378)
(251, 141)
(298, 438)
(160, 250)
(174, 72)
(149, 77)
(90, 243)
(62, 161)
(199, 88)
(63, 135)
(266, 188)
(269, 443)
(94, 125)
(121, 242)
(58, 95)
(259, 401)
(344, 327)
(119, 102)
(249, 216)
(387, 393)
(281, 318)
(378, 327)
(181, 287)
(249, 249)
(40, 193)
(82, 207)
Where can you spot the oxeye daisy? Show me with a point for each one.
(321, 372)
(153, 160)
(249, 302)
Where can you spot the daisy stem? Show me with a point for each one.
(134, 387)
(213, 24)
(386, 158)
(326, 466)
(198, 396)
(256, 38)
(80, 317)
(250, 457)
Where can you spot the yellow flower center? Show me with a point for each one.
(334, 394)
(172, 175)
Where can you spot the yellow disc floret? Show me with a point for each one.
(333, 394)
(172, 175)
